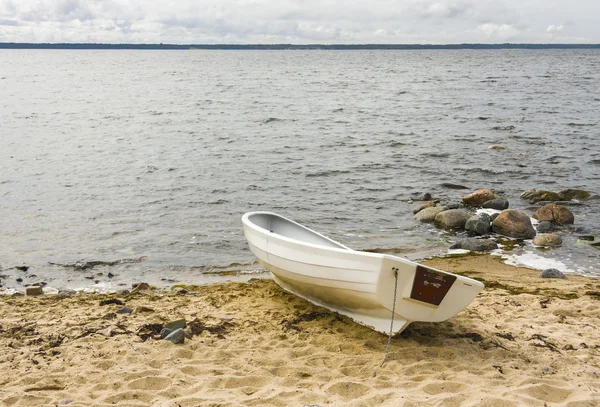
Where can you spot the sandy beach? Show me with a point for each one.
(524, 341)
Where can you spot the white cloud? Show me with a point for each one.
(499, 32)
(554, 28)
(296, 21)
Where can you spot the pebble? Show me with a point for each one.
(124, 310)
(66, 292)
(33, 290)
(144, 308)
(140, 287)
(176, 324)
(165, 332)
(176, 337)
(552, 273)
(544, 226)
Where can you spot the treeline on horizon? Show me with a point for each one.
(14, 45)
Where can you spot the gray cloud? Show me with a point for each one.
(299, 21)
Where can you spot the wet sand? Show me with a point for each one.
(524, 341)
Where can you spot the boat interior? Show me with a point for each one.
(284, 227)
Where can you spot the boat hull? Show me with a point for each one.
(356, 284)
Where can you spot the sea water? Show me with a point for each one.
(150, 158)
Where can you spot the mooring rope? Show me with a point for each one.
(387, 348)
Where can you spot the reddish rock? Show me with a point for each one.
(513, 223)
(555, 213)
(478, 197)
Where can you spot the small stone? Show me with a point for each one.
(66, 292)
(552, 273)
(17, 294)
(498, 204)
(65, 402)
(419, 206)
(143, 308)
(547, 240)
(111, 301)
(176, 324)
(165, 332)
(20, 280)
(110, 275)
(123, 292)
(589, 238)
(176, 337)
(426, 197)
(546, 368)
(478, 197)
(452, 219)
(22, 268)
(180, 290)
(544, 226)
(475, 245)
(33, 290)
(496, 147)
(429, 214)
(124, 310)
(108, 332)
(140, 287)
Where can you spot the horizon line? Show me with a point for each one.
(332, 46)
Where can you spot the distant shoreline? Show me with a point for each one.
(334, 47)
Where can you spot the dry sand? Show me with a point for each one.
(524, 341)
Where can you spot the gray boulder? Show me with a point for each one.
(479, 224)
(452, 219)
(552, 273)
(475, 245)
(513, 223)
(498, 204)
(429, 214)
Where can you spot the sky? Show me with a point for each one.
(300, 21)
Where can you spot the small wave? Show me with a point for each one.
(488, 170)
(218, 202)
(503, 128)
(581, 124)
(594, 162)
(329, 173)
(436, 155)
(272, 119)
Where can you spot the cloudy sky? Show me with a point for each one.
(300, 21)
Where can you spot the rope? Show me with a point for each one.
(387, 348)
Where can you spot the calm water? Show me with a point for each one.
(109, 155)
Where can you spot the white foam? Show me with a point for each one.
(536, 261)
(489, 211)
(458, 251)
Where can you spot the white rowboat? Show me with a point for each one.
(357, 284)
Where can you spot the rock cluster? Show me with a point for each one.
(513, 223)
